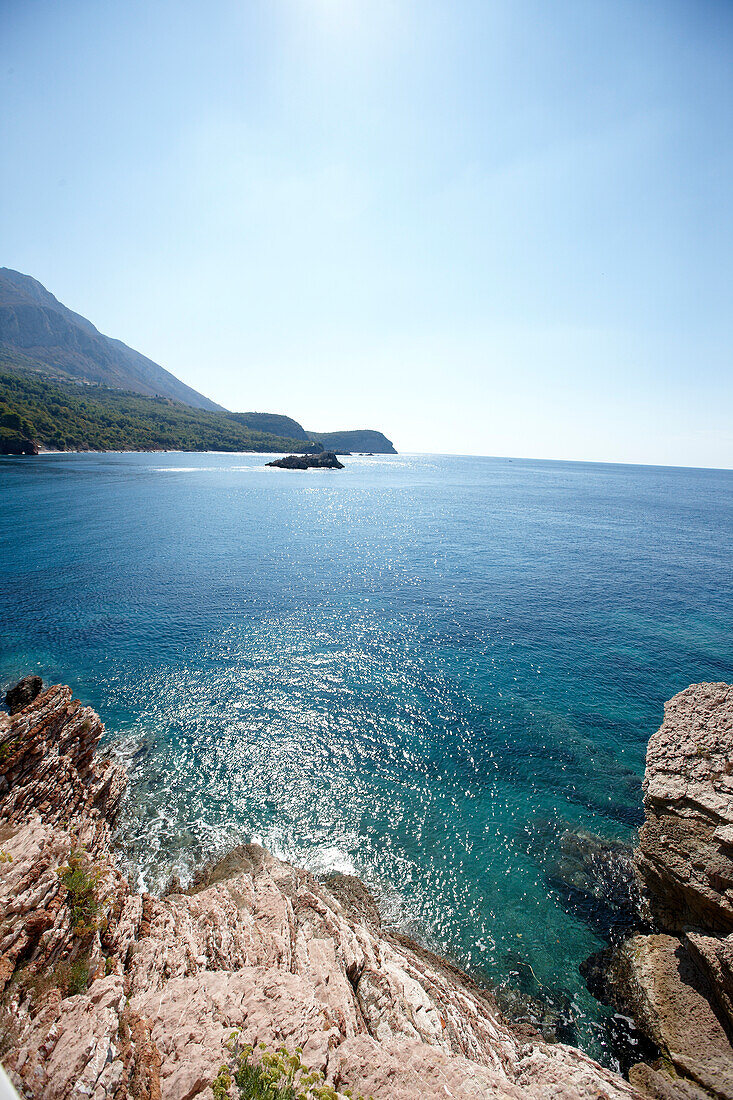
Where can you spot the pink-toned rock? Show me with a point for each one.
(685, 853)
(258, 947)
(714, 957)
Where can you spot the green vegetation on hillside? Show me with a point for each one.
(68, 416)
(359, 440)
(273, 424)
(66, 386)
(260, 1074)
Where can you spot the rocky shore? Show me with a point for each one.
(108, 993)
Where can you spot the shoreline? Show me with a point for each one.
(254, 943)
(170, 450)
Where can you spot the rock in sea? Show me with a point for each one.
(325, 461)
(23, 693)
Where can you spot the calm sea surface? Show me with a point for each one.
(429, 671)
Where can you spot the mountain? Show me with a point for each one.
(53, 339)
(365, 440)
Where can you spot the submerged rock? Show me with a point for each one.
(532, 1006)
(23, 693)
(594, 877)
(114, 994)
(327, 460)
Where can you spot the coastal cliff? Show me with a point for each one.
(109, 993)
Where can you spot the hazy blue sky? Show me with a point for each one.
(487, 227)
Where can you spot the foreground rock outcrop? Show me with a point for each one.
(685, 853)
(326, 460)
(108, 993)
(677, 982)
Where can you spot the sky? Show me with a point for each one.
(498, 227)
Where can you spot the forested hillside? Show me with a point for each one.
(365, 439)
(57, 415)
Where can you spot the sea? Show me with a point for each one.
(438, 673)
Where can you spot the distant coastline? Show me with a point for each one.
(64, 386)
(41, 414)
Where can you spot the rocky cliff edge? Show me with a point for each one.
(677, 981)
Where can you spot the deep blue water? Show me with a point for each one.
(421, 669)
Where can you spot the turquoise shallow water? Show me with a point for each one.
(425, 670)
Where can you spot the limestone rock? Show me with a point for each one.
(664, 1085)
(48, 769)
(678, 986)
(668, 997)
(714, 957)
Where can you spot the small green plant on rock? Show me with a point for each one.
(221, 1084)
(271, 1075)
(70, 976)
(73, 977)
(81, 878)
(7, 748)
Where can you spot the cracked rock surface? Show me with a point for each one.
(685, 853)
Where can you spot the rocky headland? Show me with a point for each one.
(14, 443)
(109, 993)
(64, 386)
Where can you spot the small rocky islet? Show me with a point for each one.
(111, 993)
(326, 460)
